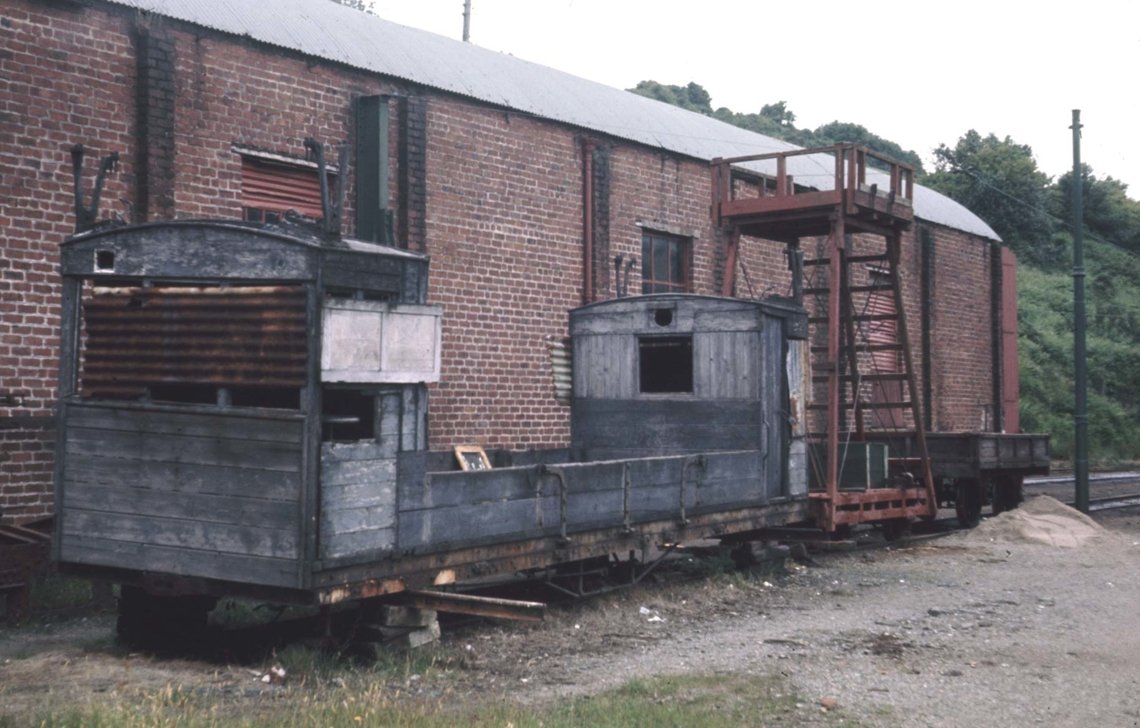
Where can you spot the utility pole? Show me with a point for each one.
(1080, 363)
(466, 21)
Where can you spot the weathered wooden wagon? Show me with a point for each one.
(243, 412)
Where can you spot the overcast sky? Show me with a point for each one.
(918, 73)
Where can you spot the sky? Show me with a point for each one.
(917, 73)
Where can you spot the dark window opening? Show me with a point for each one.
(104, 260)
(348, 415)
(256, 214)
(347, 294)
(666, 364)
(183, 393)
(266, 397)
(664, 263)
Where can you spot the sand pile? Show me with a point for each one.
(1041, 519)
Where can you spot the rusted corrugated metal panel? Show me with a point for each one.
(341, 34)
(135, 338)
(278, 187)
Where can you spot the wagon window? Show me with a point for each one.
(665, 364)
(347, 415)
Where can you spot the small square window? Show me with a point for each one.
(665, 364)
(664, 263)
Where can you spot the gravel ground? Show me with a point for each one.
(989, 628)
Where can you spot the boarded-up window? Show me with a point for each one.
(664, 263)
(269, 189)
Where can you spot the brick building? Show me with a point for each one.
(522, 183)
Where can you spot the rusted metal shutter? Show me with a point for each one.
(279, 187)
(138, 338)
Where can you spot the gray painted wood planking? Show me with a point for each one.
(204, 538)
(463, 508)
(82, 548)
(727, 365)
(358, 499)
(178, 251)
(226, 510)
(243, 425)
(263, 485)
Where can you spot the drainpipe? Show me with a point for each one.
(587, 221)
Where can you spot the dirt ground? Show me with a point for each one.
(1031, 619)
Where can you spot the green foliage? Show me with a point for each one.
(998, 180)
(1109, 213)
(692, 97)
(839, 131)
(1045, 320)
(776, 120)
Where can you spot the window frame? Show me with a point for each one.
(677, 266)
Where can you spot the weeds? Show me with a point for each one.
(358, 698)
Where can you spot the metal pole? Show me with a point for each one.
(1080, 366)
(466, 21)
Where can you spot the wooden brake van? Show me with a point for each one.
(243, 411)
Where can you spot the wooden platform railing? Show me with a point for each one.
(850, 163)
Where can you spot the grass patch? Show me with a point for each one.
(359, 698)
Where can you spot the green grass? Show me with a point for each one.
(359, 699)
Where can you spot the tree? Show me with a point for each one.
(693, 97)
(1109, 213)
(998, 180)
(779, 113)
(840, 131)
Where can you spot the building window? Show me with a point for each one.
(664, 263)
(268, 189)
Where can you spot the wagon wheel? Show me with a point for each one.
(1008, 492)
(895, 528)
(162, 622)
(967, 502)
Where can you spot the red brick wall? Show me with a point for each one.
(962, 336)
(503, 221)
(57, 88)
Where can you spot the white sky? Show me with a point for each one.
(918, 73)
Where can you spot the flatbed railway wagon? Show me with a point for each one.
(243, 412)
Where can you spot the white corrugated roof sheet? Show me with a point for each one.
(327, 30)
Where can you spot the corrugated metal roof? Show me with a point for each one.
(337, 33)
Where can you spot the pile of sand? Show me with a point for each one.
(1041, 519)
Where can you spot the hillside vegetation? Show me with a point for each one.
(998, 180)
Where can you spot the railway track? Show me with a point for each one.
(1107, 491)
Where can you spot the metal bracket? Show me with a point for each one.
(86, 218)
(697, 460)
(332, 213)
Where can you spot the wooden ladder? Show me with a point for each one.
(866, 364)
